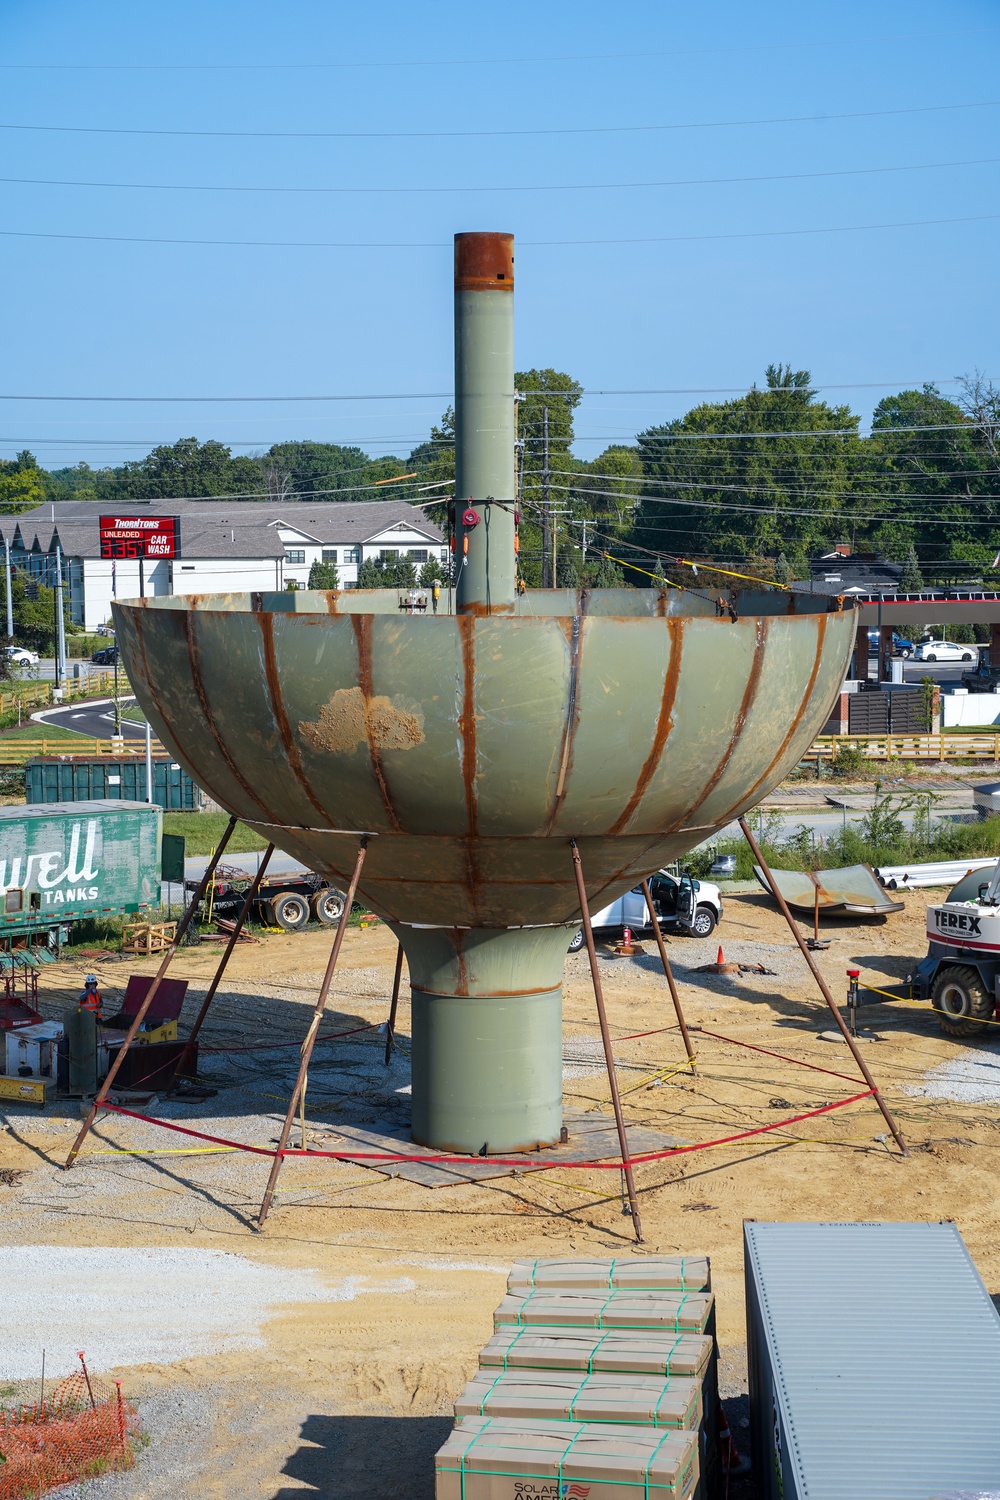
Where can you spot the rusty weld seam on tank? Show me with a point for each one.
(292, 751)
(199, 687)
(746, 800)
(663, 725)
(746, 703)
(362, 627)
(139, 624)
(467, 731)
(571, 720)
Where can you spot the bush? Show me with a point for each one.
(848, 760)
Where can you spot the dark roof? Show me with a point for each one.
(229, 528)
(836, 574)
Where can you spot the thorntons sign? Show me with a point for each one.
(59, 876)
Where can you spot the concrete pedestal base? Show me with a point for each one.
(487, 1036)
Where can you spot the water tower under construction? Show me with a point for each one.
(470, 747)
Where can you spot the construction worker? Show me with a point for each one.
(90, 997)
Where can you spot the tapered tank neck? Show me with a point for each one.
(484, 422)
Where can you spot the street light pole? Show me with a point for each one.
(10, 596)
(60, 624)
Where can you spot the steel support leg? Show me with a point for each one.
(391, 1026)
(824, 990)
(143, 1010)
(609, 1057)
(668, 971)
(251, 896)
(310, 1041)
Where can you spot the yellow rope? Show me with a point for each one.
(727, 573)
(918, 1004)
(664, 583)
(169, 1151)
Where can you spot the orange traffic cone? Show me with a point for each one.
(733, 1462)
(720, 959)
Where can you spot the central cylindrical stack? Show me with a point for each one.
(486, 1022)
(486, 1001)
(484, 421)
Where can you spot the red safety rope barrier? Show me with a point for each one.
(325, 1036)
(526, 1161)
(815, 1068)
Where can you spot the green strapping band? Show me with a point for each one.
(482, 1404)
(464, 1454)
(590, 1361)
(652, 1460)
(563, 1458)
(572, 1404)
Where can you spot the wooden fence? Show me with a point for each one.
(15, 751)
(938, 747)
(35, 695)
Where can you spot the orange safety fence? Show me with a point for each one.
(85, 1429)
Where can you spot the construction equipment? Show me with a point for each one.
(961, 973)
(289, 900)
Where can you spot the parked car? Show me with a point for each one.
(693, 907)
(943, 651)
(984, 677)
(900, 645)
(104, 630)
(106, 657)
(22, 656)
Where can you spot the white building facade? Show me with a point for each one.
(225, 547)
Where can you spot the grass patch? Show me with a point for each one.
(33, 734)
(879, 838)
(202, 832)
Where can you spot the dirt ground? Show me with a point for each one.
(350, 1396)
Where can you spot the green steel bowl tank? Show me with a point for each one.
(474, 746)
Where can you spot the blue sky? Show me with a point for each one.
(636, 288)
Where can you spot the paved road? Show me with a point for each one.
(95, 719)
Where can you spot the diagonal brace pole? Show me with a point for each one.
(609, 1057)
(824, 989)
(248, 902)
(668, 971)
(143, 1010)
(310, 1040)
(391, 1026)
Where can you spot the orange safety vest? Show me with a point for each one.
(91, 1000)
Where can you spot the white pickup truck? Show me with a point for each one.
(692, 907)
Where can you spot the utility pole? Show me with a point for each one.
(10, 596)
(548, 581)
(149, 735)
(60, 624)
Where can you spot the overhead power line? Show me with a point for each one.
(477, 62)
(660, 239)
(694, 390)
(781, 512)
(409, 135)
(545, 187)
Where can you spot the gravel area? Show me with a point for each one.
(971, 1078)
(129, 1306)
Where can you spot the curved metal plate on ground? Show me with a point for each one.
(854, 889)
(475, 746)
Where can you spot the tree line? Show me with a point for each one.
(758, 484)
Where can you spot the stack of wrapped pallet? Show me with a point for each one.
(599, 1383)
